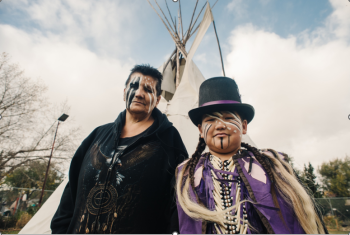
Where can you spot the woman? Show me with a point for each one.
(236, 188)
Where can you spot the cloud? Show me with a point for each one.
(57, 52)
(97, 25)
(202, 57)
(239, 8)
(299, 86)
(339, 21)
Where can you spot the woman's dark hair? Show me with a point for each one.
(148, 70)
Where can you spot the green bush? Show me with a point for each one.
(32, 210)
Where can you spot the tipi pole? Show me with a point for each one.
(178, 23)
(174, 36)
(217, 39)
(170, 14)
(162, 20)
(182, 28)
(164, 15)
(214, 4)
(194, 11)
(166, 64)
(190, 29)
(178, 60)
(177, 68)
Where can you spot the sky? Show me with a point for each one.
(290, 60)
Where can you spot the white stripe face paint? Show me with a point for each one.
(149, 85)
(133, 87)
(213, 138)
(218, 114)
(236, 123)
(205, 131)
(150, 102)
(146, 85)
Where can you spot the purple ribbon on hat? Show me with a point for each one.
(220, 102)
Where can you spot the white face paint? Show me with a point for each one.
(150, 85)
(205, 130)
(133, 87)
(216, 138)
(236, 123)
(150, 98)
(144, 83)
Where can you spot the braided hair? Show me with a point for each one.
(290, 188)
(260, 159)
(191, 164)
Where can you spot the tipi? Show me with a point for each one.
(180, 86)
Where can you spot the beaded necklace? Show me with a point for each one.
(223, 199)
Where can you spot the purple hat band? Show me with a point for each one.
(220, 102)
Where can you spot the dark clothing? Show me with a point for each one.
(123, 190)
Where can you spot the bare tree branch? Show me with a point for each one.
(26, 114)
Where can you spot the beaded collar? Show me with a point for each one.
(224, 198)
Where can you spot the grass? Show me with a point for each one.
(11, 231)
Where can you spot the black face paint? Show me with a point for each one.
(130, 94)
(222, 146)
(205, 133)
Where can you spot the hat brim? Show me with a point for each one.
(243, 109)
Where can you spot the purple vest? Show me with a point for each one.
(256, 186)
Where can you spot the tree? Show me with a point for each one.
(33, 174)
(26, 122)
(309, 179)
(336, 176)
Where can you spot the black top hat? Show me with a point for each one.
(220, 94)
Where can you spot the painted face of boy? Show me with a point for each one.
(140, 95)
(222, 131)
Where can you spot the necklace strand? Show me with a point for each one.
(223, 200)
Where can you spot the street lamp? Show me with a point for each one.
(60, 119)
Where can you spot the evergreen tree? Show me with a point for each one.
(309, 179)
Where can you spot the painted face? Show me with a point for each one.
(140, 94)
(222, 131)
